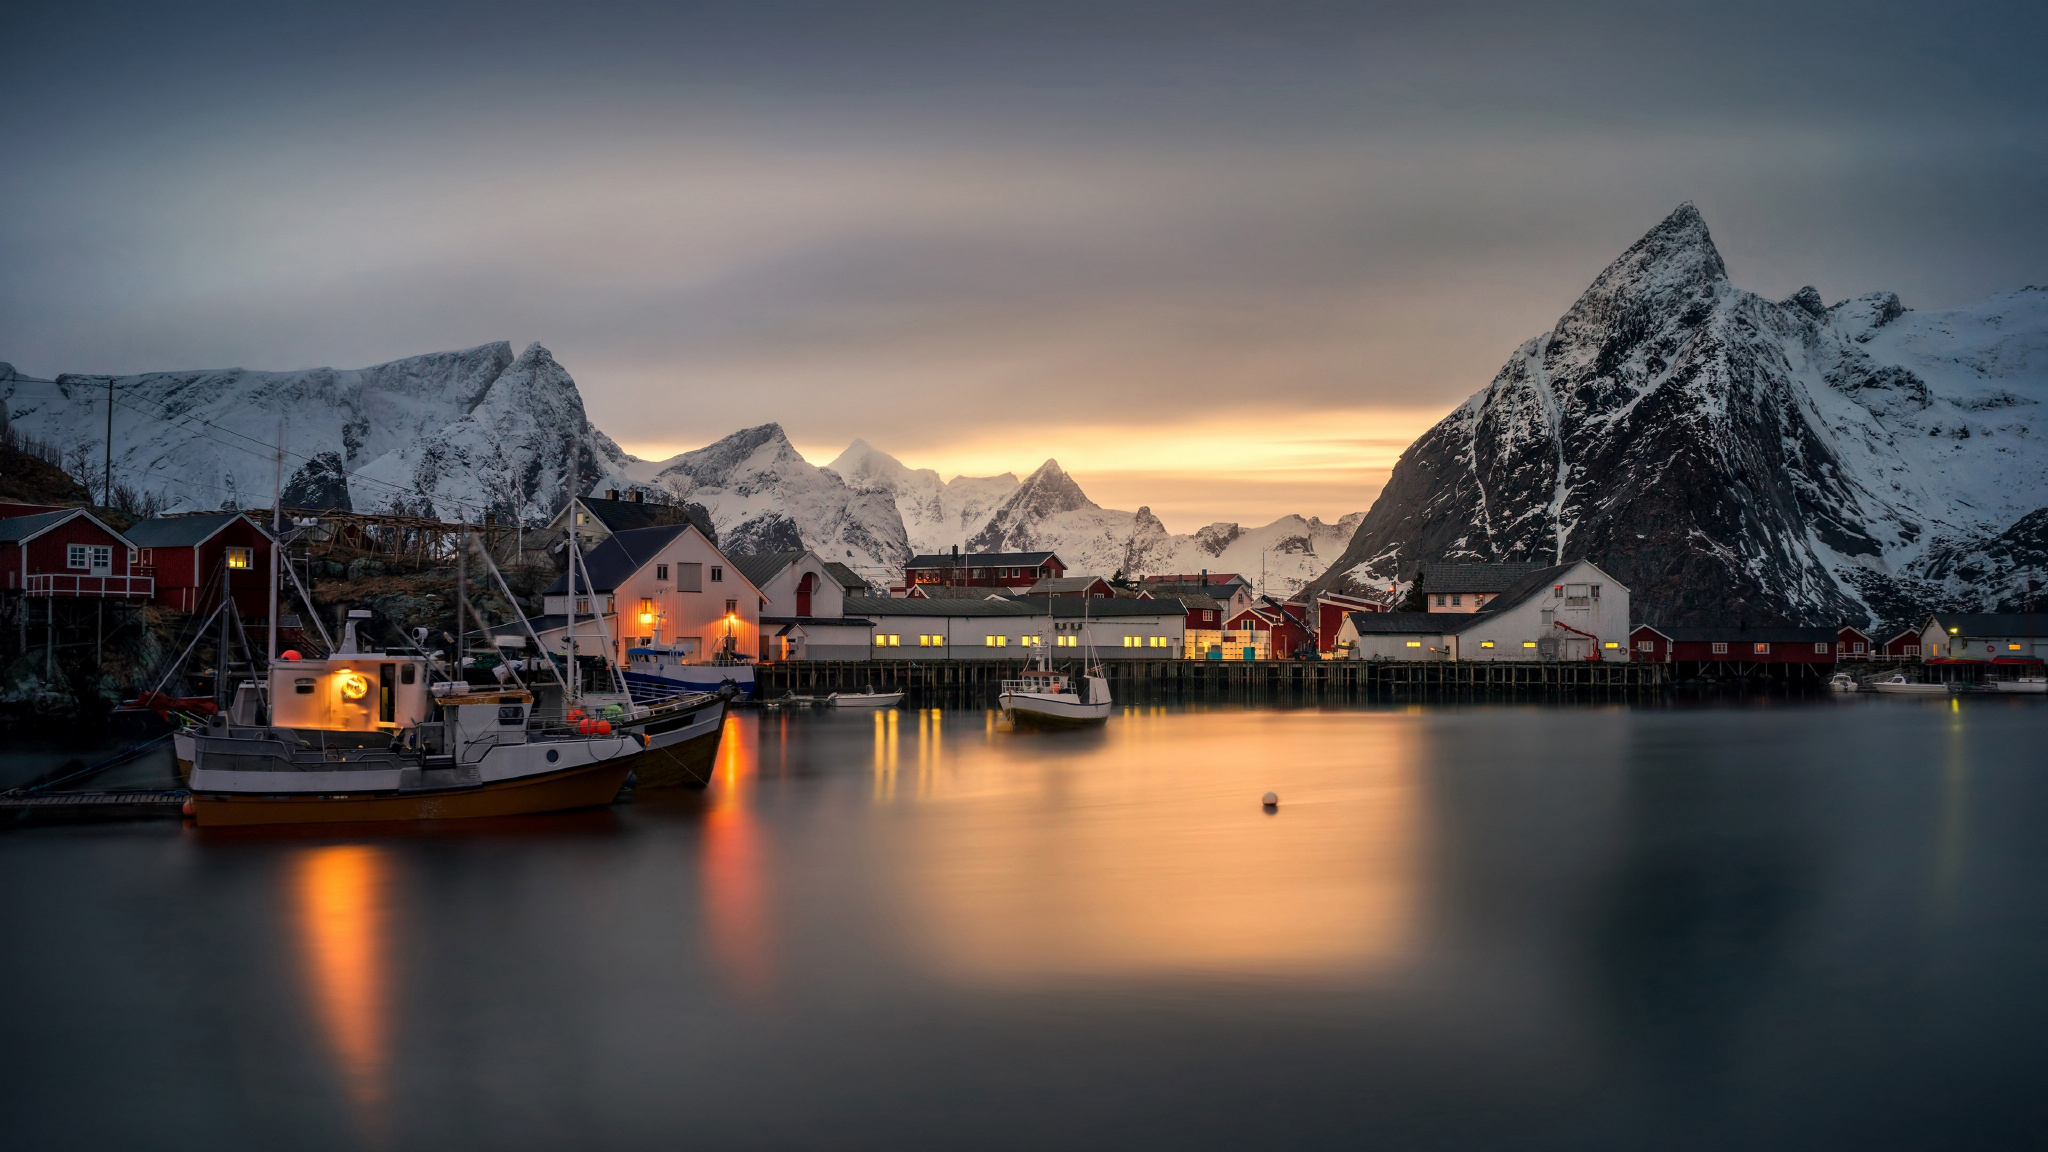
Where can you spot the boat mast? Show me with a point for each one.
(276, 532)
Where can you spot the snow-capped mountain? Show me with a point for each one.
(1050, 512)
(937, 514)
(763, 496)
(1734, 458)
(450, 434)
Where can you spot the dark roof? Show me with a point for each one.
(1099, 608)
(16, 528)
(949, 592)
(1214, 588)
(1473, 578)
(761, 567)
(982, 560)
(936, 606)
(834, 621)
(1995, 623)
(1196, 579)
(1533, 581)
(1746, 635)
(181, 531)
(624, 553)
(848, 579)
(1065, 584)
(626, 515)
(1409, 623)
(1190, 600)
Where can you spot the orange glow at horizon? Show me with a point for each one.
(340, 900)
(1091, 865)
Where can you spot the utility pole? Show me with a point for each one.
(107, 492)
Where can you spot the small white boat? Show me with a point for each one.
(1898, 684)
(2034, 685)
(868, 699)
(1055, 699)
(1843, 682)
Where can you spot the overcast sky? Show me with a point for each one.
(1225, 260)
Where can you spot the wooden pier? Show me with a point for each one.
(977, 681)
(43, 807)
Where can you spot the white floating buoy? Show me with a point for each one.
(1270, 800)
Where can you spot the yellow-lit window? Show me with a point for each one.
(1612, 644)
(1002, 641)
(646, 610)
(938, 640)
(923, 641)
(1486, 643)
(1415, 643)
(2008, 647)
(895, 641)
(881, 641)
(1528, 643)
(241, 557)
(1070, 641)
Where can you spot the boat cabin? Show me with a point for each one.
(351, 692)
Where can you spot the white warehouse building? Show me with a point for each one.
(1564, 612)
(1005, 628)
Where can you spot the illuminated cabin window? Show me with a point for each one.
(888, 640)
(1528, 643)
(582, 606)
(1415, 643)
(933, 640)
(1612, 644)
(1486, 643)
(1031, 641)
(1162, 642)
(1069, 641)
(1760, 649)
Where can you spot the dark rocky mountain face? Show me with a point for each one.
(1726, 457)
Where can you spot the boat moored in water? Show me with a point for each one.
(1051, 699)
(1899, 684)
(671, 668)
(867, 699)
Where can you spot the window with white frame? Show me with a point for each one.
(241, 557)
(1760, 649)
(1646, 645)
(77, 556)
(1720, 647)
(1820, 649)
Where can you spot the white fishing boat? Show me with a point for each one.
(1843, 682)
(663, 669)
(1051, 699)
(2030, 685)
(1899, 684)
(867, 699)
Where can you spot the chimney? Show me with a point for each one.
(638, 496)
(611, 493)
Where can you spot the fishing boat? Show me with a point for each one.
(1899, 684)
(867, 699)
(671, 668)
(1049, 699)
(1843, 682)
(2031, 685)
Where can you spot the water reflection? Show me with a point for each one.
(1141, 849)
(734, 868)
(340, 898)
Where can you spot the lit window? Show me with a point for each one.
(646, 610)
(1612, 644)
(582, 606)
(881, 641)
(924, 641)
(2008, 647)
(1720, 647)
(1528, 643)
(1415, 643)
(1070, 641)
(75, 557)
(582, 518)
(895, 641)
(1760, 649)
(938, 640)
(717, 574)
(661, 572)
(1486, 643)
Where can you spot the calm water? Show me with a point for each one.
(1804, 925)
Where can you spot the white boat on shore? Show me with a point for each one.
(1899, 684)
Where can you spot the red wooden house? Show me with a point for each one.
(190, 554)
(1274, 629)
(1330, 610)
(1015, 571)
(68, 553)
(1724, 645)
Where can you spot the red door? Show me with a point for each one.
(804, 588)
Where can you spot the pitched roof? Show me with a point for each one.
(847, 577)
(1052, 584)
(1995, 623)
(1197, 579)
(761, 567)
(626, 515)
(1475, 578)
(1533, 581)
(18, 528)
(1408, 623)
(613, 562)
(946, 592)
(182, 531)
(936, 606)
(1191, 600)
(982, 560)
(1746, 635)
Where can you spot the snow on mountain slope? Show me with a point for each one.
(451, 434)
(1730, 457)
(763, 496)
(1050, 512)
(937, 514)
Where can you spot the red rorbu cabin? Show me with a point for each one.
(68, 553)
(1748, 645)
(191, 553)
(1331, 608)
(1015, 571)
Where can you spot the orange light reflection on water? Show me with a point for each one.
(734, 871)
(340, 897)
(1142, 850)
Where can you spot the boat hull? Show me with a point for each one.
(2029, 687)
(588, 786)
(1912, 689)
(735, 680)
(861, 700)
(1052, 712)
(682, 756)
